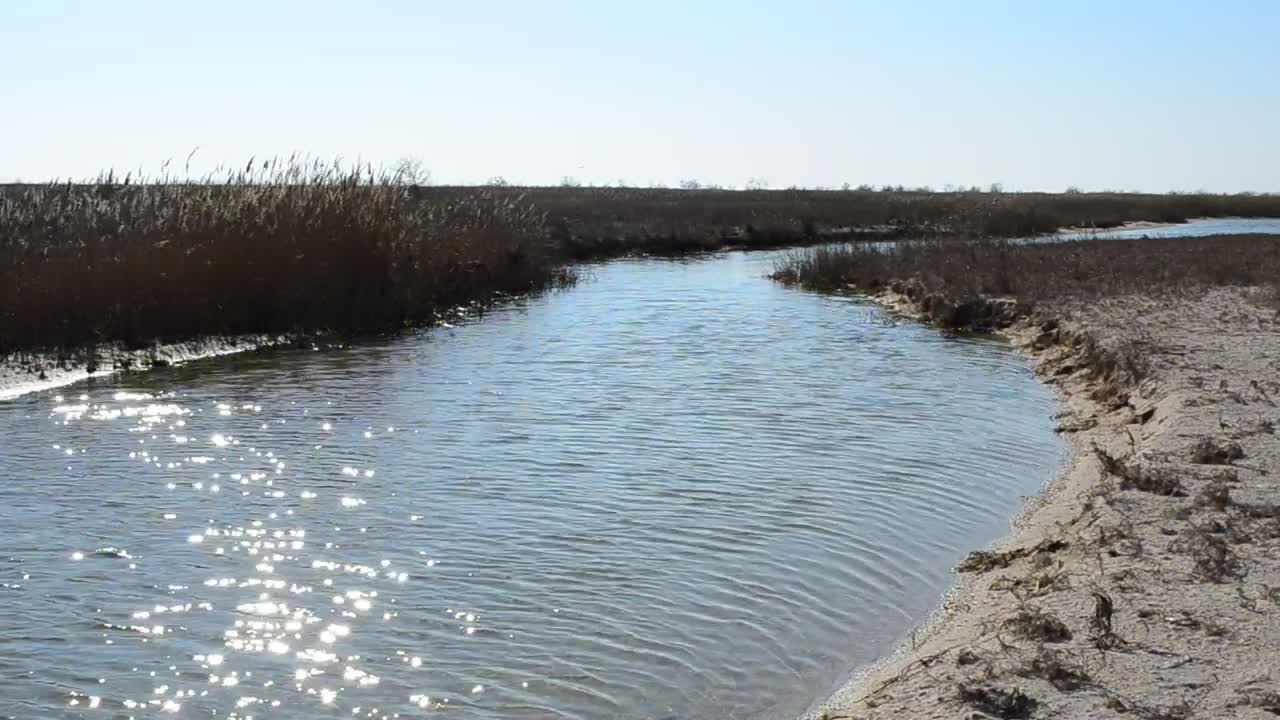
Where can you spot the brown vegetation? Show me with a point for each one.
(273, 248)
(600, 221)
(985, 285)
(1031, 623)
(281, 247)
(1008, 703)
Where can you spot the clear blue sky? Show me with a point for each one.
(1035, 95)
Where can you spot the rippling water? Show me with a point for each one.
(1211, 226)
(678, 491)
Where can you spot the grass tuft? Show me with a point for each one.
(1055, 668)
(1211, 451)
(1008, 703)
(1035, 624)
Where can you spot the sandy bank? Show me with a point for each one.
(1145, 582)
(22, 374)
(1130, 225)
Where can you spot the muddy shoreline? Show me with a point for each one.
(28, 373)
(1143, 581)
(1129, 225)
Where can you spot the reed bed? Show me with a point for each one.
(306, 246)
(278, 246)
(1043, 271)
(590, 222)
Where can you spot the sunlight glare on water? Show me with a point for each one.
(677, 491)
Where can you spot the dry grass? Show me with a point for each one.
(1154, 479)
(1262, 699)
(289, 246)
(275, 247)
(1216, 495)
(1212, 451)
(1056, 668)
(1213, 559)
(595, 222)
(1007, 703)
(1041, 272)
(985, 560)
(1032, 623)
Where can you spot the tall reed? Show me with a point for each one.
(276, 246)
(1042, 271)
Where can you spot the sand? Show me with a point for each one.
(1131, 225)
(20, 375)
(1152, 597)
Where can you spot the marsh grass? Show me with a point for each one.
(602, 221)
(308, 246)
(277, 246)
(1038, 272)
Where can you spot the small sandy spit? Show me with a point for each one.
(1145, 582)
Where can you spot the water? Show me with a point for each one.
(678, 491)
(1212, 226)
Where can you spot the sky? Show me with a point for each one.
(1034, 95)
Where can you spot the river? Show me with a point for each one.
(1193, 228)
(676, 491)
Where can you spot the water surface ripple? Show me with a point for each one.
(1193, 228)
(678, 491)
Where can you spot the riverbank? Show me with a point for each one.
(32, 372)
(1126, 226)
(1145, 581)
(27, 372)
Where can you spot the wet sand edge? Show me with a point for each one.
(20, 375)
(1149, 425)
